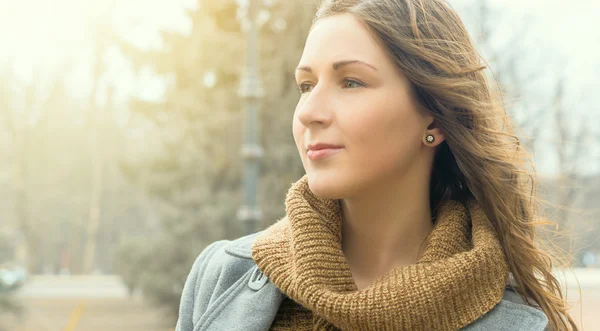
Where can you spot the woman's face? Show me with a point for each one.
(354, 96)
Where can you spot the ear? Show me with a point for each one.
(434, 129)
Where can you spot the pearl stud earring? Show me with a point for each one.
(429, 138)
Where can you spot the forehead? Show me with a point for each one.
(341, 36)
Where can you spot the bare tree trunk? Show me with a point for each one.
(89, 255)
(26, 249)
(567, 162)
(95, 201)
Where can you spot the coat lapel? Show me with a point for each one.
(250, 304)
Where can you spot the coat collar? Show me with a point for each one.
(242, 247)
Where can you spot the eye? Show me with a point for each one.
(348, 82)
(303, 88)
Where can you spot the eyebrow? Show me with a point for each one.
(339, 64)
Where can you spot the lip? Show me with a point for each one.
(322, 153)
(317, 146)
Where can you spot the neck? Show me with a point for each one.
(386, 226)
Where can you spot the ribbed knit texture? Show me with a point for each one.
(291, 316)
(460, 276)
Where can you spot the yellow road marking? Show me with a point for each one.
(75, 316)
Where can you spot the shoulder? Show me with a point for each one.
(226, 255)
(217, 268)
(511, 313)
(224, 262)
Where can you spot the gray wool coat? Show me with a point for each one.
(225, 291)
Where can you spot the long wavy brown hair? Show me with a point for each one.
(481, 156)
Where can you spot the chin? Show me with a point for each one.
(326, 185)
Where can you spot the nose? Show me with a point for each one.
(315, 108)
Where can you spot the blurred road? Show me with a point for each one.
(586, 307)
(76, 303)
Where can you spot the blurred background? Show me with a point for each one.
(135, 133)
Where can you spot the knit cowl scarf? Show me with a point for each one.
(460, 276)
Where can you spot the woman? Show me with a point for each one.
(414, 213)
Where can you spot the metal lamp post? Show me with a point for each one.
(250, 92)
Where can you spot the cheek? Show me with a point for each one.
(296, 126)
(298, 134)
(385, 138)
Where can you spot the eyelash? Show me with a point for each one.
(346, 80)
